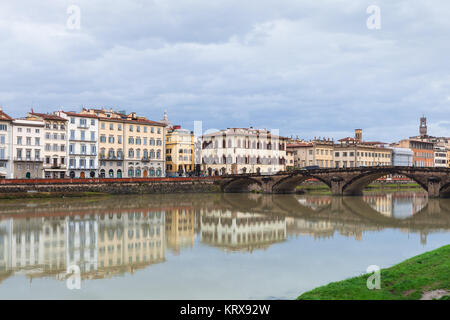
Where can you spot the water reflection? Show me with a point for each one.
(108, 237)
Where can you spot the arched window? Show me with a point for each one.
(152, 172)
(111, 173)
(152, 142)
(152, 154)
(131, 153)
(102, 173)
(158, 172)
(145, 154)
(130, 172)
(119, 174)
(138, 153)
(158, 154)
(138, 172)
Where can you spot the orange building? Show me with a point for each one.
(423, 152)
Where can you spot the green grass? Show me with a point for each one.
(405, 281)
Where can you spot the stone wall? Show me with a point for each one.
(195, 186)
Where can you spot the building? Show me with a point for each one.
(318, 152)
(27, 148)
(111, 143)
(180, 158)
(423, 151)
(354, 152)
(243, 150)
(143, 143)
(54, 144)
(402, 157)
(440, 157)
(82, 144)
(5, 145)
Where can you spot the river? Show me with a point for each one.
(208, 246)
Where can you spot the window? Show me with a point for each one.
(19, 140)
(3, 127)
(92, 122)
(72, 120)
(2, 139)
(37, 141)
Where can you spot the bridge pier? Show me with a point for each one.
(337, 186)
(434, 187)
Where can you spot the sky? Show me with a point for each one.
(307, 68)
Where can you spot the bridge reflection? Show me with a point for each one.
(114, 236)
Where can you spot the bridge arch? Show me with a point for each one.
(356, 185)
(290, 183)
(242, 184)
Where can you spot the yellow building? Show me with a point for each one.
(179, 150)
(129, 145)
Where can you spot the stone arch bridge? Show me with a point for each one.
(341, 181)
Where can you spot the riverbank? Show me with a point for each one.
(423, 276)
(50, 195)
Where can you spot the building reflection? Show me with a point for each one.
(180, 225)
(239, 231)
(399, 205)
(105, 238)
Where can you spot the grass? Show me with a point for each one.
(405, 281)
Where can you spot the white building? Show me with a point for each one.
(440, 157)
(5, 145)
(27, 148)
(402, 157)
(243, 150)
(54, 144)
(82, 137)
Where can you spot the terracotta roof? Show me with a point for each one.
(347, 139)
(137, 121)
(4, 116)
(299, 144)
(81, 115)
(47, 116)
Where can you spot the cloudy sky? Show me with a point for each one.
(309, 68)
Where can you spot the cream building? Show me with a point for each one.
(6, 161)
(243, 150)
(27, 148)
(315, 153)
(133, 146)
(54, 144)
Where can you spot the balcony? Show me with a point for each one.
(145, 159)
(25, 159)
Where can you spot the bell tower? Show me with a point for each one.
(423, 126)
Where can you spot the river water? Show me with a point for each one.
(208, 246)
